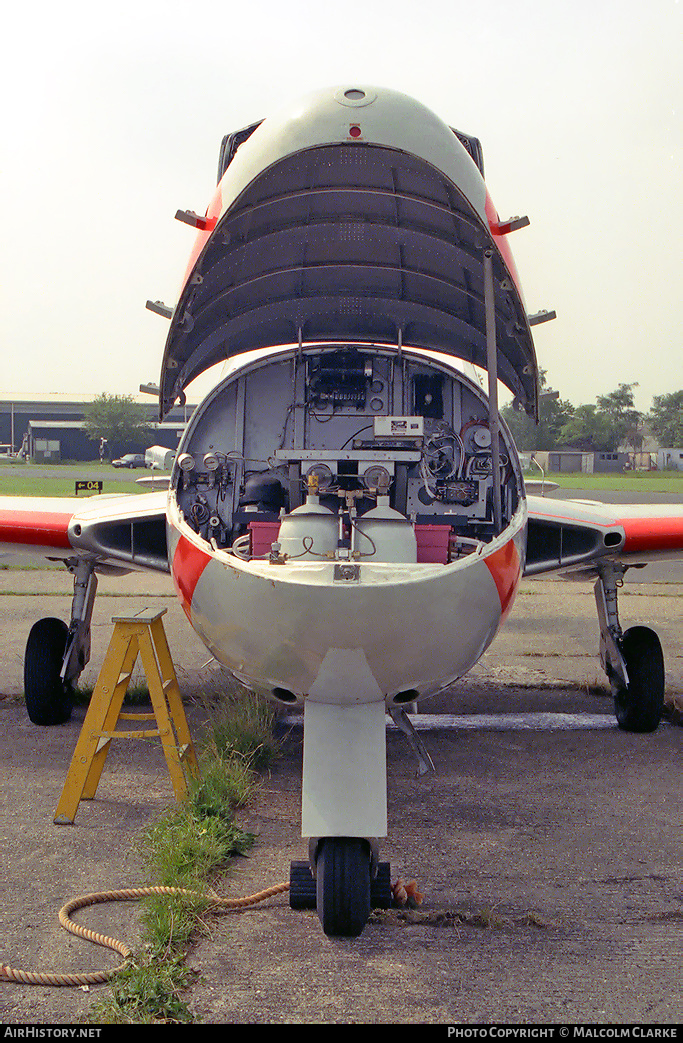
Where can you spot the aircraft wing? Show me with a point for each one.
(575, 535)
(126, 532)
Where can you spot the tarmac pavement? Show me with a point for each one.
(550, 859)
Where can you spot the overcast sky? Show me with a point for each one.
(112, 119)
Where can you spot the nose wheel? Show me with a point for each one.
(345, 886)
(342, 875)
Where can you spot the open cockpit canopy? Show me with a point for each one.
(351, 241)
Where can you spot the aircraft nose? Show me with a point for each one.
(356, 96)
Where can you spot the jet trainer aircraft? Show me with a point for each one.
(347, 523)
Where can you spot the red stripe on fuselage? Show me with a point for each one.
(26, 527)
(506, 569)
(188, 564)
(652, 534)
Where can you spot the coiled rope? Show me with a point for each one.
(130, 894)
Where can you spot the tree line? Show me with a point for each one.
(119, 421)
(612, 422)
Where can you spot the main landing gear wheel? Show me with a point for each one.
(639, 706)
(48, 699)
(343, 885)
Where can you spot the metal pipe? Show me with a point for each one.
(492, 367)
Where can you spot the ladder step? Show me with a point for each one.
(149, 733)
(144, 616)
(93, 744)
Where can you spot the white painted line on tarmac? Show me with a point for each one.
(539, 721)
(499, 721)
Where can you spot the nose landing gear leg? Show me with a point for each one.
(344, 802)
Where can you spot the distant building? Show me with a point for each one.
(670, 459)
(603, 462)
(577, 461)
(645, 460)
(51, 441)
(561, 461)
(35, 421)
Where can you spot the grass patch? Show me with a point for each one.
(630, 481)
(148, 992)
(136, 695)
(16, 461)
(485, 919)
(47, 566)
(243, 726)
(33, 485)
(190, 846)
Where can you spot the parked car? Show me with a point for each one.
(130, 460)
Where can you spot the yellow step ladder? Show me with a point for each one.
(141, 634)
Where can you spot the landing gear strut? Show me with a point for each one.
(56, 653)
(632, 660)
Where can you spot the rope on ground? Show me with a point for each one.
(130, 894)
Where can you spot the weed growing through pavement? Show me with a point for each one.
(188, 847)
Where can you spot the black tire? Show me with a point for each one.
(639, 706)
(381, 895)
(48, 700)
(343, 885)
(302, 887)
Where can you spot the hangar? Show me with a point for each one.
(53, 424)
